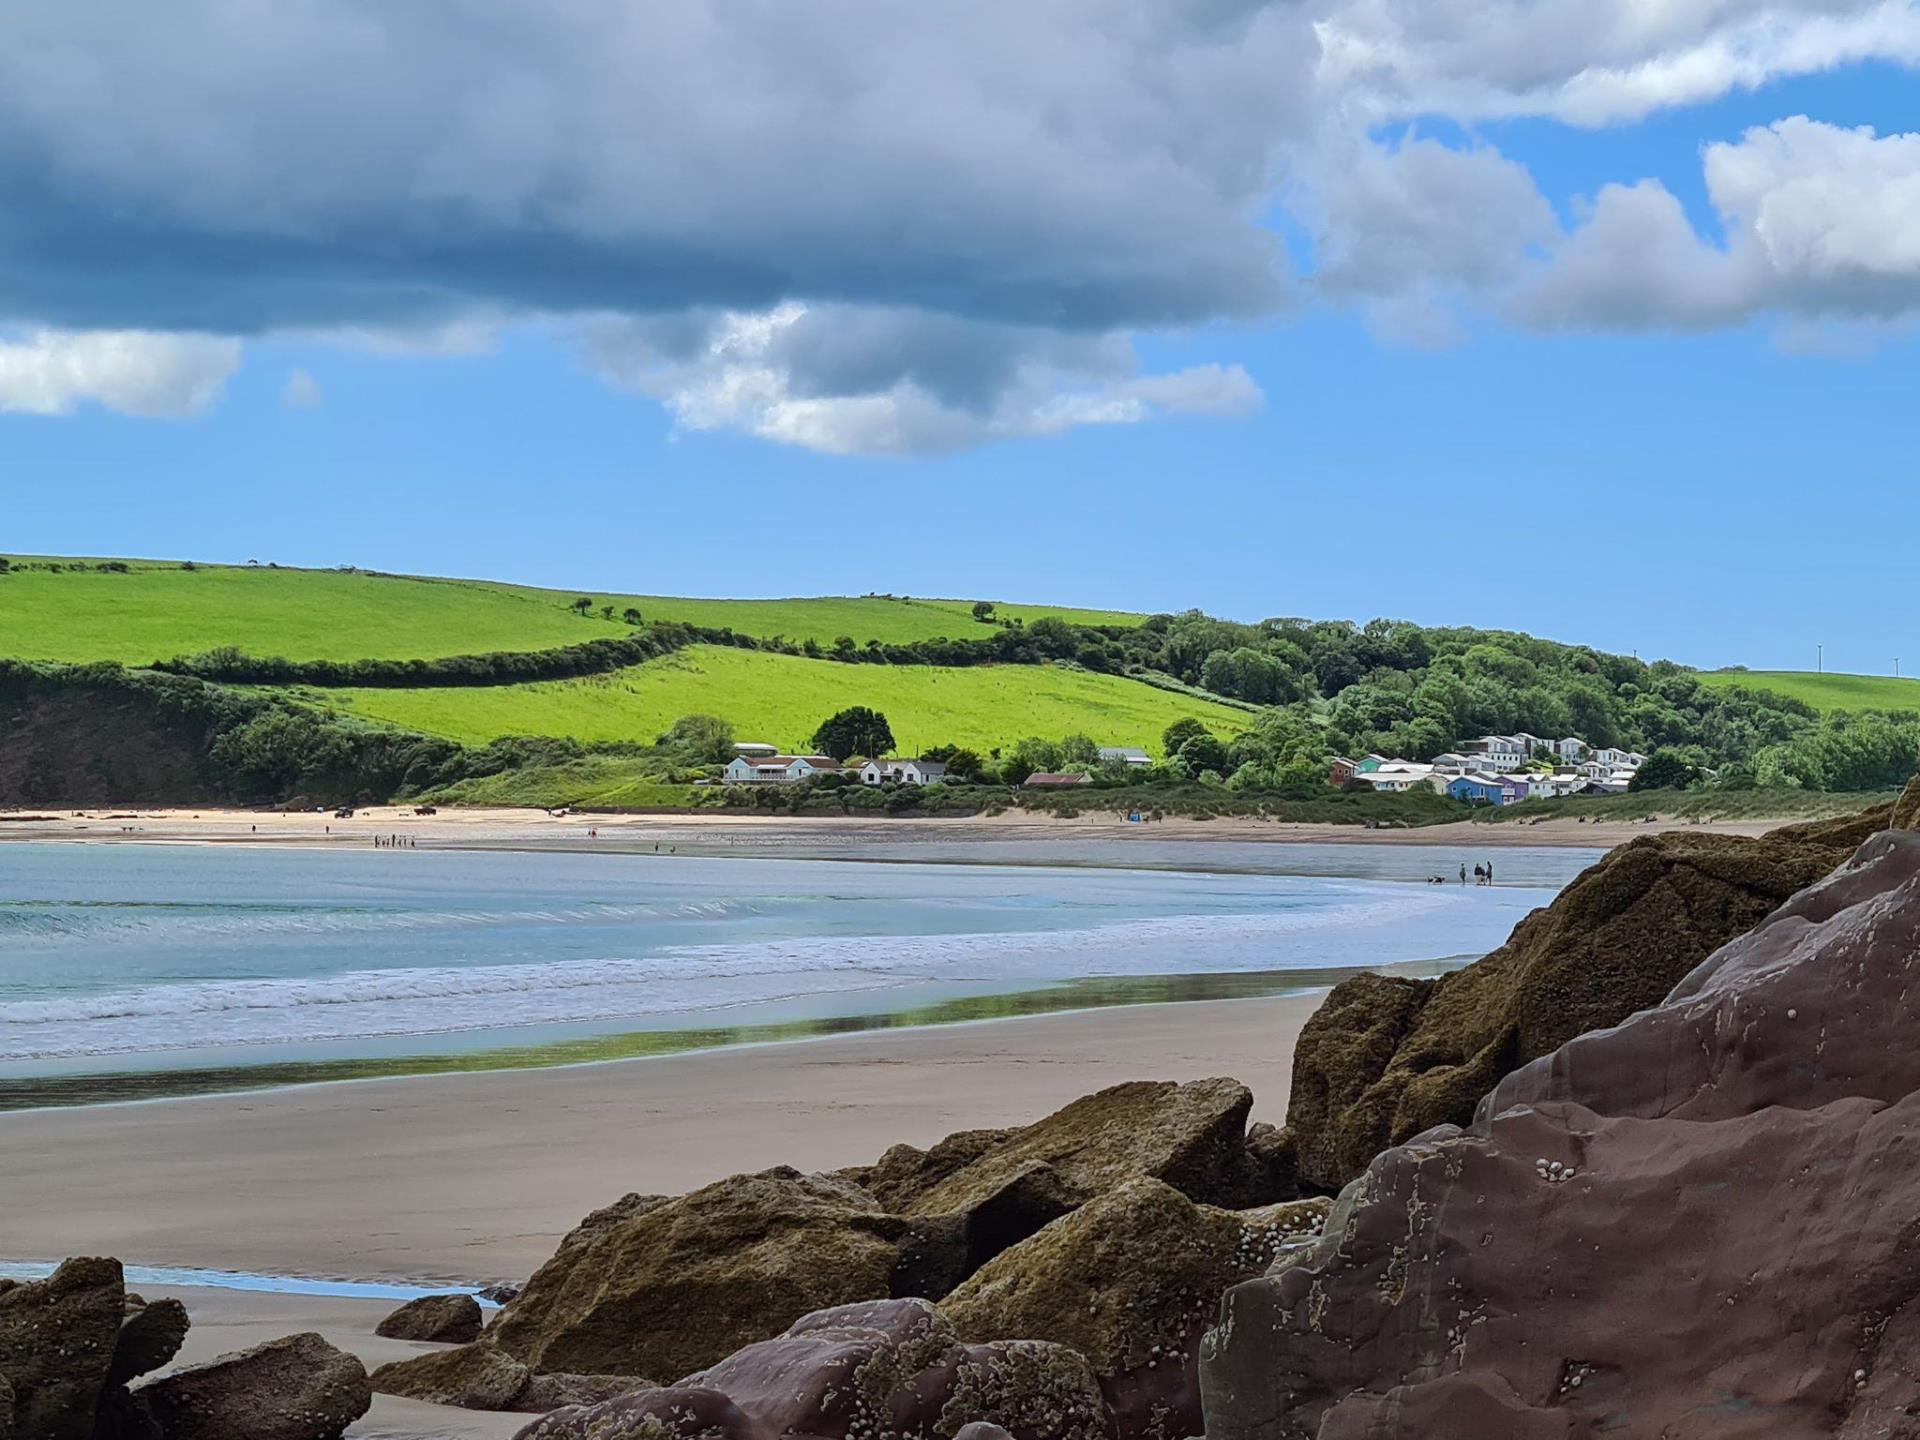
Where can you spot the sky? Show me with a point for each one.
(1599, 320)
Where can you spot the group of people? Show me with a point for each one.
(1482, 875)
(395, 842)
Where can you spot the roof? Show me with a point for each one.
(1123, 752)
(925, 767)
(1049, 777)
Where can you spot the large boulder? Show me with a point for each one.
(889, 1368)
(1192, 1136)
(57, 1341)
(1697, 1222)
(437, 1319)
(1384, 1059)
(296, 1388)
(472, 1377)
(667, 1288)
(1130, 1280)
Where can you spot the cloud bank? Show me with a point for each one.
(894, 228)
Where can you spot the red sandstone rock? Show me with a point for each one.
(1698, 1223)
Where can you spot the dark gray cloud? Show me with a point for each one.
(1073, 165)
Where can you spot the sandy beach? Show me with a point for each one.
(750, 834)
(474, 1178)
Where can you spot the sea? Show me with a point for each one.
(132, 971)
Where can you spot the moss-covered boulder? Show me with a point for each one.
(438, 1319)
(57, 1341)
(668, 1288)
(297, 1388)
(1191, 1136)
(472, 1377)
(1130, 1280)
(1385, 1059)
(151, 1334)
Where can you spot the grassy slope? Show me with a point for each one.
(1824, 692)
(780, 699)
(159, 610)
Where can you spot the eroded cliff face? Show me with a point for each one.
(1702, 1221)
(90, 748)
(1385, 1059)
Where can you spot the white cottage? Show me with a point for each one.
(902, 772)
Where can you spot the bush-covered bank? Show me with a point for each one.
(1707, 803)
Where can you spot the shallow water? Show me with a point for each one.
(148, 957)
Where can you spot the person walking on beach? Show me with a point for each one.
(1489, 872)
(1463, 872)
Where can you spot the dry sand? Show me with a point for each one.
(457, 828)
(475, 1177)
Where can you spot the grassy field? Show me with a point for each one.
(157, 611)
(1824, 692)
(780, 699)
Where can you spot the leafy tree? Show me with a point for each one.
(844, 648)
(1664, 770)
(1248, 674)
(700, 739)
(606, 612)
(1178, 733)
(1201, 753)
(856, 730)
(983, 610)
(582, 605)
(630, 615)
(1029, 757)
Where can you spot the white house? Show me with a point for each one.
(777, 769)
(1498, 753)
(1133, 758)
(1452, 763)
(902, 772)
(755, 750)
(1570, 749)
(1619, 759)
(1398, 776)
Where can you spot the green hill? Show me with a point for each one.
(780, 699)
(1823, 692)
(53, 609)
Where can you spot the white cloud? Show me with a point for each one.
(1819, 222)
(897, 382)
(302, 392)
(1592, 62)
(52, 372)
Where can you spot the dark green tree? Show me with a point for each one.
(1664, 770)
(857, 730)
(1178, 733)
(630, 615)
(983, 610)
(582, 605)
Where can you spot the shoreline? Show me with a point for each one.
(472, 1178)
(798, 836)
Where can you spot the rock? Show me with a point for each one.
(670, 1287)
(1386, 1058)
(472, 1377)
(1191, 1136)
(1130, 1281)
(57, 1339)
(151, 1334)
(296, 1388)
(981, 1430)
(1696, 1222)
(441, 1319)
(499, 1294)
(6, 1403)
(551, 1392)
(904, 1174)
(884, 1368)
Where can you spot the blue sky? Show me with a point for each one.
(1421, 422)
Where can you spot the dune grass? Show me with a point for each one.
(780, 699)
(1824, 691)
(158, 610)
(1705, 804)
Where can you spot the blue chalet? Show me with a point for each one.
(1486, 789)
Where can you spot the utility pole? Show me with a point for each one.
(1820, 658)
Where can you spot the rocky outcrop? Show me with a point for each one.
(674, 1286)
(1384, 1059)
(297, 1388)
(57, 1341)
(1191, 1136)
(1697, 1222)
(1130, 1281)
(472, 1377)
(151, 1334)
(886, 1368)
(438, 1319)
